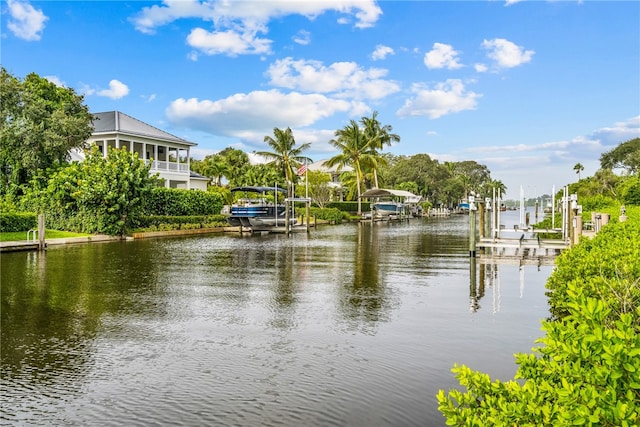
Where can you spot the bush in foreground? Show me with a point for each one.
(587, 370)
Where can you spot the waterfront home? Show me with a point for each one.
(168, 154)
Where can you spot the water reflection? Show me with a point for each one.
(354, 324)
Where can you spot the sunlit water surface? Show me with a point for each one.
(351, 325)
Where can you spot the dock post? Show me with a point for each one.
(472, 227)
(287, 217)
(307, 209)
(41, 237)
(481, 219)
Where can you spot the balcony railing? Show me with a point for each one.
(158, 165)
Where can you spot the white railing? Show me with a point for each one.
(159, 165)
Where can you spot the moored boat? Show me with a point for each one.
(262, 208)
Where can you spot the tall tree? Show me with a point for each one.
(39, 124)
(378, 137)
(237, 162)
(285, 155)
(578, 168)
(355, 151)
(626, 156)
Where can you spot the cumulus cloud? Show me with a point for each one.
(25, 21)
(116, 90)
(445, 98)
(382, 52)
(343, 79)
(506, 54)
(237, 24)
(230, 42)
(247, 115)
(442, 56)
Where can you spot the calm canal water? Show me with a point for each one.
(351, 325)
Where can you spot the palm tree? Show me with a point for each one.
(578, 168)
(285, 155)
(378, 137)
(215, 168)
(355, 150)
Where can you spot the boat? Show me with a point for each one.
(386, 209)
(392, 204)
(262, 208)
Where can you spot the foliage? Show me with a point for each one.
(17, 221)
(587, 370)
(319, 189)
(236, 164)
(595, 203)
(349, 206)
(629, 190)
(625, 156)
(99, 195)
(285, 155)
(378, 136)
(333, 215)
(355, 151)
(39, 123)
(177, 202)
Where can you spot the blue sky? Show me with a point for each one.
(528, 88)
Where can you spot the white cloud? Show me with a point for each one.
(507, 54)
(238, 23)
(116, 90)
(445, 98)
(302, 37)
(510, 2)
(481, 68)
(255, 114)
(25, 21)
(442, 56)
(230, 42)
(620, 132)
(343, 79)
(381, 52)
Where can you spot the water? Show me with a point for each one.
(352, 325)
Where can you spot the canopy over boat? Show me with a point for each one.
(251, 189)
(408, 196)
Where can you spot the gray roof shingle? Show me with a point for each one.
(115, 121)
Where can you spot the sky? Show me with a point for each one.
(527, 88)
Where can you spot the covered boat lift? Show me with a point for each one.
(408, 200)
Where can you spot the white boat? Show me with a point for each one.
(391, 204)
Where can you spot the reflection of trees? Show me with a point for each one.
(364, 300)
(53, 303)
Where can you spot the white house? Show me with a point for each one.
(168, 154)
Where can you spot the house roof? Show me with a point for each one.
(117, 122)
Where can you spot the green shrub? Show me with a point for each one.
(333, 215)
(180, 202)
(349, 206)
(17, 221)
(587, 369)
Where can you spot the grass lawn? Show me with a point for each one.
(49, 234)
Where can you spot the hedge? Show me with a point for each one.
(349, 206)
(17, 221)
(180, 202)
